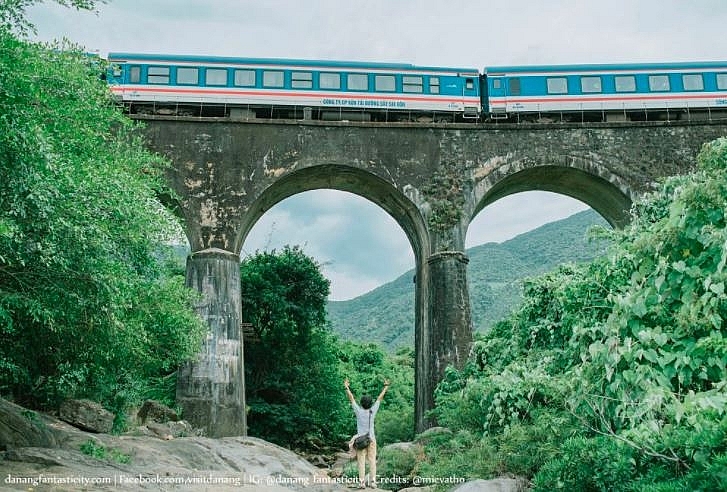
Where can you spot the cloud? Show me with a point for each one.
(359, 244)
(519, 213)
(429, 32)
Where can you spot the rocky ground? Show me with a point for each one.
(39, 452)
(42, 453)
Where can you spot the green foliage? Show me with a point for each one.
(515, 446)
(599, 464)
(292, 374)
(88, 304)
(295, 367)
(464, 455)
(101, 452)
(367, 366)
(615, 372)
(397, 464)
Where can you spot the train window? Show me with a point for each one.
(385, 83)
(412, 83)
(557, 85)
(693, 82)
(722, 81)
(513, 86)
(157, 75)
(301, 80)
(216, 76)
(245, 78)
(272, 78)
(330, 81)
(434, 85)
(591, 84)
(469, 84)
(497, 83)
(658, 83)
(358, 82)
(135, 74)
(187, 76)
(625, 83)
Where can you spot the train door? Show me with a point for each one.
(471, 96)
(497, 96)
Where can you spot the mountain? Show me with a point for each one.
(495, 272)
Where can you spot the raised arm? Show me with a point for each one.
(348, 392)
(383, 391)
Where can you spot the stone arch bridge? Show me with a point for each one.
(432, 179)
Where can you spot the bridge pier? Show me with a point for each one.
(449, 335)
(211, 389)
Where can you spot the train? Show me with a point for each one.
(252, 88)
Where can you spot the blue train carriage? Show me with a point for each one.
(607, 92)
(277, 88)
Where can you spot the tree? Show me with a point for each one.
(87, 304)
(292, 375)
(614, 374)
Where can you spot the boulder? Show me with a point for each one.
(340, 461)
(160, 430)
(87, 415)
(433, 433)
(403, 447)
(155, 411)
(23, 428)
(143, 463)
(494, 485)
(182, 428)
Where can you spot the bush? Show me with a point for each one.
(462, 455)
(599, 464)
(89, 307)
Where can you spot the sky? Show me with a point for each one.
(360, 246)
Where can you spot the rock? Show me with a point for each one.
(400, 460)
(87, 415)
(143, 463)
(494, 485)
(318, 460)
(160, 430)
(182, 428)
(403, 447)
(340, 461)
(155, 411)
(433, 433)
(23, 428)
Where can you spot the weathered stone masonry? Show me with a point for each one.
(433, 180)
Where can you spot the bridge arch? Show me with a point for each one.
(580, 178)
(404, 211)
(343, 178)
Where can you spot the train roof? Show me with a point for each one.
(282, 62)
(608, 67)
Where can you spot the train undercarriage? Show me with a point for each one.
(242, 113)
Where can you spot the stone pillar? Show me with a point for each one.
(211, 389)
(449, 334)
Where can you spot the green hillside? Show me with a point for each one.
(386, 314)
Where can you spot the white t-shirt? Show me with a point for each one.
(362, 419)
